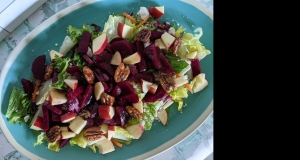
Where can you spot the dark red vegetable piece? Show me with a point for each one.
(78, 76)
(46, 119)
(132, 69)
(165, 66)
(126, 88)
(97, 28)
(107, 68)
(73, 69)
(142, 66)
(98, 59)
(195, 66)
(54, 76)
(27, 86)
(115, 121)
(38, 67)
(74, 94)
(150, 53)
(155, 35)
(87, 96)
(55, 117)
(138, 76)
(117, 91)
(160, 92)
(123, 114)
(90, 123)
(131, 98)
(55, 109)
(73, 105)
(87, 59)
(116, 39)
(84, 42)
(98, 75)
(63, 142)
(106, 56)
(123, 46)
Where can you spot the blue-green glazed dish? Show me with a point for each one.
(187, 13)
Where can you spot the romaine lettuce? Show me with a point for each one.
(40, 139)
(178, 94)
(54, 146)
(76, 33)
(78, 140)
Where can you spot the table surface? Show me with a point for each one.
(198, 145)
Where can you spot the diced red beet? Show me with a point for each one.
(106, 56)
(54, 76)
(126, 88)
(93, 108)
(63, 142)
(55, 109)
(55, 117)
(123, 46)
(195, 66)
(131, 98)
(142, 66)
(108, 48)
(104, 85)
(105, 77)
(165, 66)
(155, 35)
(73, 105)
(122, 103)
(87, 96)
(150, 53)
(138, 76)
(97, 74)
(27, 86)
(78, 76)
(107, 68)
(97, 28)
(149, 97)
(167, 26)
(87, 59)
(84, 42)
(38, 67)
(73, 69)
(117, 91)
(132, 69)
(98, 59)
(110, 85)
(123, 114)
(46, 119)
(116, 39)
(115, 121)
(90, 123)
(74, 94)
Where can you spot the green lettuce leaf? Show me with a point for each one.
(78, 140)
(78, 61)
(76, 33)
(148, 115)
(178, 30)
(176, 63)
(178, 94)
(18, 106)
(62, 64)
(93, 147)
(132, 121)
(54, 146)
(111, 25)
(127, 142)
(40, 139)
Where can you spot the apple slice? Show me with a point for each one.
(171, 30)
(156, 12)
(132, 59)
(44, 92)
(67, 134)
(111, 132)
(77, 124)
(166, 105)
(124, 31)
(167, 39)
(67, 117)
(105, 146)
(53, 53)
(90, 52)
(159, 43)
(104, 128)
(98, 90)
(57, 98)
(106, 112)
(135, 130)
(116, 59)
(72, 83)
(162, 115)
(153, 88)
(200, 83)
(180, 81)
(37, 121)
(66, 46)
(64, 128)
(139, 106)
(146, 85)
(99, 43)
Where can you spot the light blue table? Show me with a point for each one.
(197, 146)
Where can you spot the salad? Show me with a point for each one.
(105, 87)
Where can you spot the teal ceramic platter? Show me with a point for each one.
(187, 13)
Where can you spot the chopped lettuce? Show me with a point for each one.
(93, 147)
(111, 26)
(18, 106)
(76, 33)
(179, 30)
(62, 65)
(127, 142)
(178, 94)
(192, 43)
(176, 63)
(78, 61)
(123, 132)
(40, 139)
(78, 140)
(54, 146)
(132, 121)
(148, 115)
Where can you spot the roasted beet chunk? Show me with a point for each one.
(124, 47)
(27, 86)
(38, 67)
(84, 42)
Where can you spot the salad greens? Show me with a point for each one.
(158, 76)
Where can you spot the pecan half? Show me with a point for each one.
(133, 112)
(176, 44)
(168, 83)
(107, 99)
(143, 35)
(53, 134)
(84, 114)
(88, 74)
(48, 72)
(121, 73)
(92, 133)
